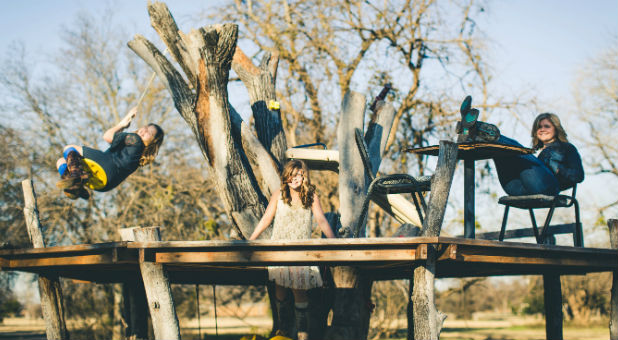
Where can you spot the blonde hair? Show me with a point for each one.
(555, 121)
(151, 150)
(307, 190)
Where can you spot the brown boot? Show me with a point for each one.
(75, 166)
(80, 192)
(67, 181)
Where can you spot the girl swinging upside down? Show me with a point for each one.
(104, 170)
(292, 207)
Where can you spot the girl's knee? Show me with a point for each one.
(59, 162)
(72, 147)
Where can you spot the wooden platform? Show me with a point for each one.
(241, 262)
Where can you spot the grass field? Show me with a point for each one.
(515, 328)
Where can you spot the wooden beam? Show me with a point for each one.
(612, 224)
(49, 287)
(158, 292)
(134, 301)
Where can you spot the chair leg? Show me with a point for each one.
(504, 218)
(550, 214)
(364, 212)
(422, 197)
(578, 234)
(534, 227)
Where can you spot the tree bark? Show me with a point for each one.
(205, 55)
(428, 320)
(49, 286)
(352, 179)
(613, 315)
(158, 292)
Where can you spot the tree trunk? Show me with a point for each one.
(205, 55)
(427, 320)
(49, 286)
(158, 292)
(613, 315)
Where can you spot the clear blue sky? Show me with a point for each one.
(536, 44)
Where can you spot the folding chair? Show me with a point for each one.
(532, 202)
(390, 184)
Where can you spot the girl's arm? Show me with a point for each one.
(316, 208)
(269, 214)
(108, 136)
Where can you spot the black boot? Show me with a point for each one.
(302, 321)
(284, 314)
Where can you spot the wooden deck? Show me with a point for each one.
(243, 263)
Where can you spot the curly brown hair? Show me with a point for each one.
(151, 150)
(561, 135)
(307, 190)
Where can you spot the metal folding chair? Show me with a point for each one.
(532, 202)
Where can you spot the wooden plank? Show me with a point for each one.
(316, 159)
(64, 249)
(476, 150)
(62, 261)
(286, 257)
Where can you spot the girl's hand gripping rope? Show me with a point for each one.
(126, 121)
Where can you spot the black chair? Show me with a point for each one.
(390, 184)
(532, 202)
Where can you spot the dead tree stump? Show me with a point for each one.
(49, 286)
(613, 315)
(427, 321)
(158, 292)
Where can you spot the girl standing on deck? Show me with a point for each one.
(104, 170)
(291, 207)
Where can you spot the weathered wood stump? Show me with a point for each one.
(49, 285)
(613, 315)
(158, 292)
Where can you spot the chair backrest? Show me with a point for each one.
(362, 148)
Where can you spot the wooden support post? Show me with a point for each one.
(49, 286)
(552, 291)
(158, 292)
(427, 319)
(613, 315)
(134, 300)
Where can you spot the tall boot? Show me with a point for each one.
(76, 175)
(285, 313)
(469, 129)
(302, 320)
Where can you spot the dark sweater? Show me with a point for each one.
(564, 160)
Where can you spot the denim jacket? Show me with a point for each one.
(565, 162)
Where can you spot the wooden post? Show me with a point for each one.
(158, 292)
(552, 294)
(427, 320)
(49, 286)
(134, 300)
(612, 224)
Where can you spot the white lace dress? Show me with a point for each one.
(293, 223)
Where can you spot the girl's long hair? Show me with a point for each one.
(307, 190)
(151, 150)
(555, 121)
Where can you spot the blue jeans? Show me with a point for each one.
(524, 174)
